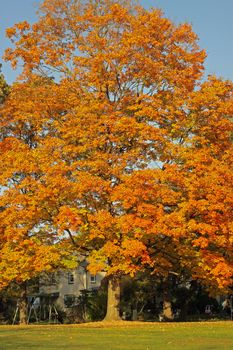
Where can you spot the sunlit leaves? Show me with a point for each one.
(111, 145)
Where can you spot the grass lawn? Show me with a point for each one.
(123, 335)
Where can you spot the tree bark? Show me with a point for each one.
(23, 305)
(167, 310)
(167, 305)
(113, 307)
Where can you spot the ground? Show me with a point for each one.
(119, 336)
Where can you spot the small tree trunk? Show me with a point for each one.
(22, 303)
(113, 309)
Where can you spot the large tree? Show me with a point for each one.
(91, 135)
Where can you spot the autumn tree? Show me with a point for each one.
(207, 162)
(201, 221)
(27, 243)
(94, 133)
(194, 191)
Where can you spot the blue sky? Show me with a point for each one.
(212, 20)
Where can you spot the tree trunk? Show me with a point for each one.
(113, 308)
(22, 304)
(167, 310)
(167, 305)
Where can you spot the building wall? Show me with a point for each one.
(69, 284)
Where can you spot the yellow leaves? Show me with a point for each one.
(225, 275)
(18, 28)
(97, 262)
(184, 32)
(126, 258)
(134, 249)
(10, 32)
(25, 260)
(218, 270)
(212, 105)
(201, 242)
(119, 38)
(119, 12)
(68, 218)
(82, 148)
(22, 26)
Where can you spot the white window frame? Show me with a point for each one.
(93, 279)
(70, 278)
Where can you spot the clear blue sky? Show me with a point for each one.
(212, 20)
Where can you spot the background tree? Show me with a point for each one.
(27, 243)
(208, 182)
(195, 234)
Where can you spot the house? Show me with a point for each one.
(63, 287)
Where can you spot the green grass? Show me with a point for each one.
(123, 335)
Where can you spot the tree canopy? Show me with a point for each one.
(110, 144)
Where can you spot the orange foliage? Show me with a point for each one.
(108, 140)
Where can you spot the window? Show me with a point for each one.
(69, 300)
(53, 280)
(93, 279)
(70, 278)
(49, 279)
